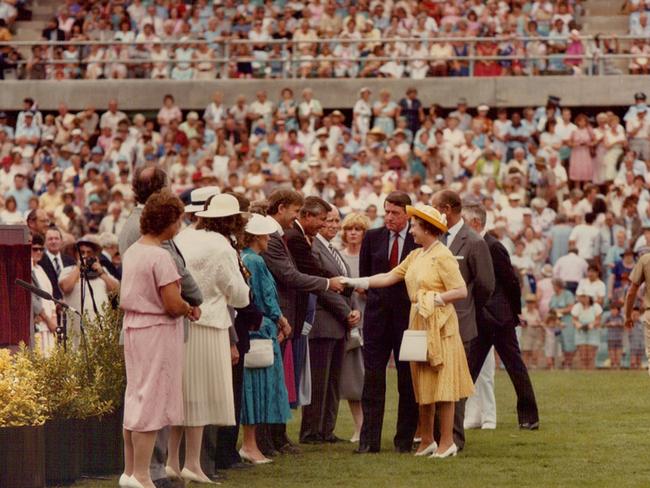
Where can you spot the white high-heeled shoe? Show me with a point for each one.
(451, 452)
(134, 483)
(249, 459)
(355, 438)
(431, 448)
(188, 475)
(126, 481)
(171, 472)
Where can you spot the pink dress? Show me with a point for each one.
(581, 166)
(153, 341)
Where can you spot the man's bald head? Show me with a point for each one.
(148, 180)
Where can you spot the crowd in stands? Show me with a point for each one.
(567, 195)
(321, 38)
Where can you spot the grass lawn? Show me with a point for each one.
(595, 431)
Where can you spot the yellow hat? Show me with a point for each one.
(428, 214)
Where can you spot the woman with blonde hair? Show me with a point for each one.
(433, 282)
(354, 227)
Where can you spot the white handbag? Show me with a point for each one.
(260, 354)
(414, 346)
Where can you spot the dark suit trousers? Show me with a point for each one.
(319, 417)
(376, 354)
(504, 340)
(219, 449)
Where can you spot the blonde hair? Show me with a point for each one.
(354, 219)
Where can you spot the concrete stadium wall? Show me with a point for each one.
(588, 91)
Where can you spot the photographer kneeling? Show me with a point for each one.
(86, 283)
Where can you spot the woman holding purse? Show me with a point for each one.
(433, 282)
(264, 399)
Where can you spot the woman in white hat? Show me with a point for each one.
(433, 282)
(265, 399)
(207, 373)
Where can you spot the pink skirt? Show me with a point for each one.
(154, 377)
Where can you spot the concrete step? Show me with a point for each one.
(603, 7)
(614, 24)
(27, 35)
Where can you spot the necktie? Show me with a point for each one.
(611, 236)
(114, 226)
(339, 260)
(444, 237)
(394, 252)
(57, 265)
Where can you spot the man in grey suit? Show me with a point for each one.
(475, 264)
(334, 315)
(292, 285)
(148, 180)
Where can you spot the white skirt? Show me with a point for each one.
(207, 378)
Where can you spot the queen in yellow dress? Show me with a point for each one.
(433, 282)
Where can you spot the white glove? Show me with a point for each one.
(363, 283)
(438, 301)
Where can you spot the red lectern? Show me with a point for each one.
(15, 302)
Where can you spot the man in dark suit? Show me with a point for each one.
(497, 322)
(334, 315)
(293, 285)
(53, 261)
(476, 267)
(386, 318)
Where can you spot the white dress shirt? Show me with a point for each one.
(453, 230)
(401, 236)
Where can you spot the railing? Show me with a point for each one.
(591, 63)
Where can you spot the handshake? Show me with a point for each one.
(339, 283)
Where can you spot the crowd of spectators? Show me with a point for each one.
(564, 193)
(320, 38)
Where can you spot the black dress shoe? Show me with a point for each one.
(365, 449)
(312, 439)
(240, 465)
(290, 448)
(333, 439)
(403, 449)
(164, 483)
(529, 425)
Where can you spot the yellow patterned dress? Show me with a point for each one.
(445, 377)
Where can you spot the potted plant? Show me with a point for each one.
(70, 397)
(22, 415)
(103, 432)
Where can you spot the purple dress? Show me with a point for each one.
(581, 166)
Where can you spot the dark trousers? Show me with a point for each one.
(319, 417)
(459, 409)
(376, 354)
(219, 448)
(504, 340)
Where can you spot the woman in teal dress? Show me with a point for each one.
(264, 399)
(384, 111)
(561, 302)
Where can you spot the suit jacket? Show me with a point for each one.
(478, 273)
(332, 309)
(385, 307)
(504, 305)
(48, 267)
(110, 267)
(301, 251)
(293, 286)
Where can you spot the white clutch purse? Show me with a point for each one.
(260, 354)
(414, 346)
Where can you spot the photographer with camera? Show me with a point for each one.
(86, 285)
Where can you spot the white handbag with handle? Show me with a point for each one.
(414, 346)
(260, 354)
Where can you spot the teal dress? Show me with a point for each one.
(568, 333)
(264, 398)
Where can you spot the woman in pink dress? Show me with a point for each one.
(581, 166)
(153, 336)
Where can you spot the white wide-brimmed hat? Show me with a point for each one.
(199, 197)
(223, 205)
(259, 225)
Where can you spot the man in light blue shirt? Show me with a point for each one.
(21, 193)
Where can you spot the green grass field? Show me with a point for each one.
(595, 431)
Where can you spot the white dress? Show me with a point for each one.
(44, 339)
(207, 373)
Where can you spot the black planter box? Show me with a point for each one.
(22, 457)
(63, 451)
(103, 444)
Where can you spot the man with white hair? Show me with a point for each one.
(110, 250)
(114, 221)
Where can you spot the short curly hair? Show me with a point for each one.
(162, 209)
